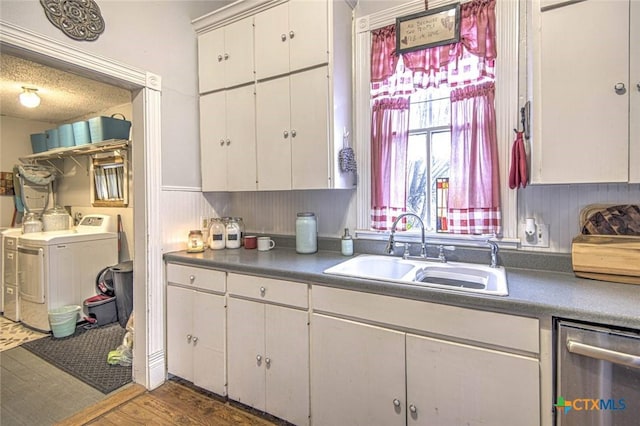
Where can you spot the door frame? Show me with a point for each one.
(149, 367)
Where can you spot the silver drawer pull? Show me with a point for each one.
(192, 278)
(621, 358)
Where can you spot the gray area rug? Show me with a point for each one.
(84, 355)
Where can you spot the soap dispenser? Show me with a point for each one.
(347, 243)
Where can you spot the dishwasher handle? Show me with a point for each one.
(621, 358)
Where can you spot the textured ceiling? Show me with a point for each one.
(65, 96)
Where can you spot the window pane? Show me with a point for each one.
(440, 157)
(417, 174)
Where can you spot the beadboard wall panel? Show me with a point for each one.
(559, 206)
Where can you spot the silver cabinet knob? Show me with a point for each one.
(291, 34)
(192, 278)
(195, 339)
(263, 290)
(620, 89)
(267, 361)
(293, 133)
(221, 142)
(258, 358)
(226, 56)
(228, 142)
(396, 402)
(219, 58)
(413, 408)
(283, 37)
(285, 134)
(189, 337)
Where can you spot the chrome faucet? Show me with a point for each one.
(391, 243)
(494, 253)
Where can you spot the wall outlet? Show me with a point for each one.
(539, 239)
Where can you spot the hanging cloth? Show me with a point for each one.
(518, 175)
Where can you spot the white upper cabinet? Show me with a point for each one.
(291, 36)
(585, 92)
(225, 56)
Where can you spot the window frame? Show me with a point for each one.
(508, 83)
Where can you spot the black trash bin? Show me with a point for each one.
(122, 274)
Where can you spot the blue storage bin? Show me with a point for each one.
(53, 140)
(105, 128)
(81, 135)
(65, 135)
(38, 142)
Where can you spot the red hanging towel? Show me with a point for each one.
(518, 174)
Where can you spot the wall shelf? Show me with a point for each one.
(75, 151)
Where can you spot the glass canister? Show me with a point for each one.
(195, 243)
(232, 240)
(306, 233)
(217, 234)
(241, 225)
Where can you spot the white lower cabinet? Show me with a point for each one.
(196, 328)
(268, 347)
(364, 374)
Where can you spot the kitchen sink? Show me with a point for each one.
(457, 276)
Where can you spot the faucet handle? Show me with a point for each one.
(442, 249)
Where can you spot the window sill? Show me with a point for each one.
(438, 238)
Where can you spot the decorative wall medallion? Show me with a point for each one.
(78, 19)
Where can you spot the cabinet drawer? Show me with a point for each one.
(200, 278)
(509, 331)
(269, 290)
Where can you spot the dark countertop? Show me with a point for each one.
(534, 293)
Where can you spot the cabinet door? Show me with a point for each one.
(246, 352)
(241, 136)
(273, 134)
(213, 152)
(238, 57)
(310, 121)
(179, 332)
(211, 60)
(308, 21)
(584, 122)
(357, 374)
(209, 342)
(272, 41)
(287, 364)
(450, 383)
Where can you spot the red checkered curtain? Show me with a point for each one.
(474, 181)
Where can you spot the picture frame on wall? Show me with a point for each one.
(431, 28)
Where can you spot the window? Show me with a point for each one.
(428, 153)
(426, 138)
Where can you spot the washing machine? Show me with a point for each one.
(59, 268)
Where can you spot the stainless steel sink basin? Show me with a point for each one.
(457, 276)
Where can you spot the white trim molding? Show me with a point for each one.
(148, 366)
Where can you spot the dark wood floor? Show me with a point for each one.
(173, 403)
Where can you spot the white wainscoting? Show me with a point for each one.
(559, 206)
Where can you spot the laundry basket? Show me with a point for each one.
(63, 320)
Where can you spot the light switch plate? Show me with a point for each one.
(539, 239)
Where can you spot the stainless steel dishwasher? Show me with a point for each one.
(598, 375)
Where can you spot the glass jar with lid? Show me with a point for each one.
(232, 240)
(241, 225)
(217, 234)
(195, 243)
(306, 233)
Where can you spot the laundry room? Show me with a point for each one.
(66, 174)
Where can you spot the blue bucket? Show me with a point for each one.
(38, 142)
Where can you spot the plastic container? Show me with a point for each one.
(105, 128)
(38, 142)
(63, 320)
(53, 139)
(306, 233)
(81, 133)
(102, 308)
(65, 135)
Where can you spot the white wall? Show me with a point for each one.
(15, 142)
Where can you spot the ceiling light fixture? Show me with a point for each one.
(29, 97)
